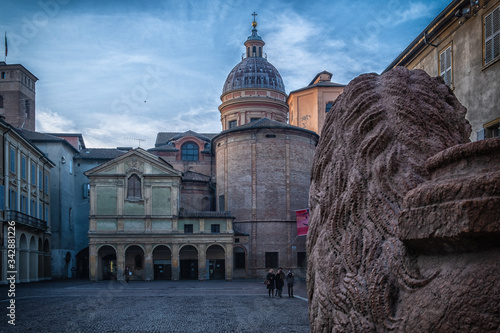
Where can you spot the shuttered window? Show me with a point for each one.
(492, 36)
(445, 66)
(134, 187)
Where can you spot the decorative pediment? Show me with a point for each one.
(134, 164)
(135, 161)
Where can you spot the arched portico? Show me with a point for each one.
(216, 262)
(134, 259)
(162, 263)
(23, 259)
(188, 258)
(107, 263)
(46, 259)
(33, 260)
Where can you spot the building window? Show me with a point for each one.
(272, 260)
(33, 208)
(188, 228)
(134, 187)
(492, 36)
(33, 174)
(328, 106)
(253, 119)
(215, 228)
(46, 184)
(12, 200)
(189, 151)
(23, 167)
(12, 159)
(40, 179)
(492, 129)
(40, 211)
(1, 102)
(24, 204)
(27, 108)
(232, 124)
(3, 75)
(239, 258)
(445, 66)
(301, 260)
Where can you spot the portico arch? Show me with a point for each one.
(216, 262)
(23, 258)
(134, 259)
(40, 259)
(47, 258)
(107, 262)
(162, 262)
(188, 258)
(33, 261)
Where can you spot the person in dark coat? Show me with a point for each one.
(270, 286)
(280, 282)
(290, 280)
(127, 274)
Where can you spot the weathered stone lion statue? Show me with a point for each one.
(377, 263)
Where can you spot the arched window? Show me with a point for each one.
(189, 151)
(248, 51)
(328, 106)
(134, 187)
(260, 51)
(1, 102)
(254, 51)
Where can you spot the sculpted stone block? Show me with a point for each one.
(381, 256)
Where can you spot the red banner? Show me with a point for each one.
(302, 221)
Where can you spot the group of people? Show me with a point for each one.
(275, 282)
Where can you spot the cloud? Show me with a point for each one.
(52, 122)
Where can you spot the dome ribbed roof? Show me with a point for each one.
(254, 72)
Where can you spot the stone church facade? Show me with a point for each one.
(135, 221)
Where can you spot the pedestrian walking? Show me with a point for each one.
(280, 282)
(127, 274)
(270, 282)
(290, 280)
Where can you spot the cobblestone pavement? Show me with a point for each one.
(159, 306)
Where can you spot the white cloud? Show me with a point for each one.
(52, 122)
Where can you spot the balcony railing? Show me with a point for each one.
(14, 215)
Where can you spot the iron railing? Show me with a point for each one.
(14, 215)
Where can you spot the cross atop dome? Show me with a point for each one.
(254, 23)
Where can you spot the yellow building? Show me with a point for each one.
(308, 106)
(462, 45)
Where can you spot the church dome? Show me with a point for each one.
(254, 72)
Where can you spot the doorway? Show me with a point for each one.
(188, 257)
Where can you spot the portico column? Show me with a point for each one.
(120, 262)
(202, 262)
(175, 262)
(93, 261)
(148, 260)
(229, 262)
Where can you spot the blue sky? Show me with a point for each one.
(119, 70)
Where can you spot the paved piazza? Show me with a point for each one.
(159, 306)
